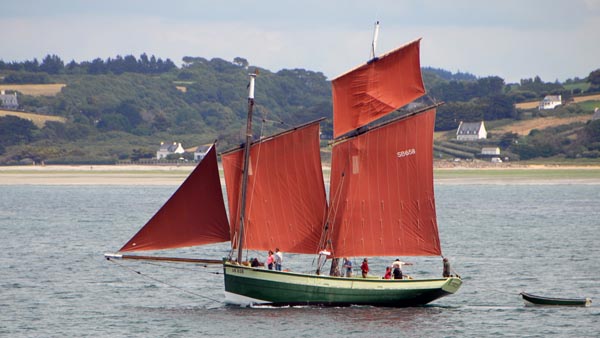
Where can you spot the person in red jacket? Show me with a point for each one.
(365, 268)
(388, 273)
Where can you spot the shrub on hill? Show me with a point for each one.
(15, 130)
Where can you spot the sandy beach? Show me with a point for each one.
(93, 175)
(444, 173)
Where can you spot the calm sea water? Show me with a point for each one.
(502, 239)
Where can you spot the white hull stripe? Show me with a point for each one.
(232, 298)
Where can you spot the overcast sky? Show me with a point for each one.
(555, 39)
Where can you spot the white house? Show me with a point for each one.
(471, 131)
(8, 101)
(490, 151)
(550, 102)
(201, 151)
(168, 149)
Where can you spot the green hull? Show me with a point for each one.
(245, 285)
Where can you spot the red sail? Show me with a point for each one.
(381, 194)
(194, 215)
(286, 202)
(377, 88)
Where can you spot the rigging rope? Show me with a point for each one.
(165, 283)
(172, 266)
(512, 293)
(330, 216)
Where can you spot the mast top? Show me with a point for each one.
(374, 44)
(251, 84)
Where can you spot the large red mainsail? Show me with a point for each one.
(286, 201)
(382, 198)
(194, 215)
(377, 88)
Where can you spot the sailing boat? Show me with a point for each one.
(381, 200)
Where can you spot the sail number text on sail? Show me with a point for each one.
(407, 152)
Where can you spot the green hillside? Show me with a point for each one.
(123, 107)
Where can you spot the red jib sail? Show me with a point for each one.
(194, 215)
(381, 194)
(286, 202)
(377, 88)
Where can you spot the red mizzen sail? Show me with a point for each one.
(382, 198)
(194, 215)
(377, 88)
(286, 201)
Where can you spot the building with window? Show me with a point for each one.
(201, 151)
(471, 131)
(167, 149)
(8, 101)
(550, 102)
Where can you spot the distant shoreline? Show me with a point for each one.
(444, 173)
(93, 175)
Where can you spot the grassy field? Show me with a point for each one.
(37, 119)
(524, 127)
(590, 105)
(35, 89)
(527, 105)
(583, 86)
(577, 99)
(587, 98)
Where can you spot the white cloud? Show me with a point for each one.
(510, 39)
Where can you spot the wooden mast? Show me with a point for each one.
(245, 168)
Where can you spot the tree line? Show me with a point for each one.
(135, 101)
(33, 71)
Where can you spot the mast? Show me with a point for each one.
(374, 44)
(245, 167)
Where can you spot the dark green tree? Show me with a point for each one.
(592, 132)
(15, 130)
(130, 109)
(97, 67)
(140, 153)
(594, 78)
(114, 121)
(241, 62)
(27, 77)
(508, 139)
(52, 64)
(160, 122)
(31, 66)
